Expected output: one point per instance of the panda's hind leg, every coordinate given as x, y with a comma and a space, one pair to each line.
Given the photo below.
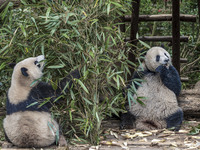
127, 121
7, 144
62, 142
150, 124
175, 120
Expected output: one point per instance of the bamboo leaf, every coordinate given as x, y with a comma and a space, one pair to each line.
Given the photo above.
33, 19
3, 49
56, 66
82, 85
140, 102
2, 65
23, 30
97, 116
33, 83
32, 104
144, 44
87, 101
47, 13
108, 9
116, 4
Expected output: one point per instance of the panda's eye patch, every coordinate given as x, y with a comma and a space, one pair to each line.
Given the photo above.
166, 55
35, 62
38, 65
157, 58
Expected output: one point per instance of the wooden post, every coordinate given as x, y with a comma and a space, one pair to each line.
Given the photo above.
176, 34
134, 30
122, 26
198, 2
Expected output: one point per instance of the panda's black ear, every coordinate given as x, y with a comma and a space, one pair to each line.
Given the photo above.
24, 71
12, 65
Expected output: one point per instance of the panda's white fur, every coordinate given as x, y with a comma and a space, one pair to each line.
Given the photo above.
27, 126
160, 102
21, 85
30, 129
150, 58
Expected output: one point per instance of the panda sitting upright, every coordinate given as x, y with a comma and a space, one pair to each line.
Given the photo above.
27, 124
161, 85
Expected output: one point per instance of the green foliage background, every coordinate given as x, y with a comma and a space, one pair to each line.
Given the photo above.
71, 34
86, 34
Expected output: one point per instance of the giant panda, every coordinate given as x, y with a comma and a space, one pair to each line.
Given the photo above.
160, 87
26, 123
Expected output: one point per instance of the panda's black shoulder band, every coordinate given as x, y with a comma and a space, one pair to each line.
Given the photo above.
27, 105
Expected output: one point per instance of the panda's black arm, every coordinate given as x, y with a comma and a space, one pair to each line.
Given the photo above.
44, 91
170, 78
68, 80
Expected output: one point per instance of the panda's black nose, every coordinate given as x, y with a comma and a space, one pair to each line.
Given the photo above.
166, 60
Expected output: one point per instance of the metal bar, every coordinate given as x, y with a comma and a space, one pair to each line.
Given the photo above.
163, 17
176, 34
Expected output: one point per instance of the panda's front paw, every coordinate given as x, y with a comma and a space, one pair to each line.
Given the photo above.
160, 68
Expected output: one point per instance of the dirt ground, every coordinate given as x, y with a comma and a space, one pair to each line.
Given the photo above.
115, 139
151, 140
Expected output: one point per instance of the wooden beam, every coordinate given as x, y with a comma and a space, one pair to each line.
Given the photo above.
163, 17
183, 60
176, 34
160, 38
184, 79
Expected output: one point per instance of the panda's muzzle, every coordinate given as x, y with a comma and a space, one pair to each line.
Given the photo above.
166, 60
40, 61
167, 63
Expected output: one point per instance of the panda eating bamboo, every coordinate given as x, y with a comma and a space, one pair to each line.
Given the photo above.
161, 86
26, 123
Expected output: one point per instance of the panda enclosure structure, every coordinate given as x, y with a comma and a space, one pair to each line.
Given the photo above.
189, 100
175, 39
